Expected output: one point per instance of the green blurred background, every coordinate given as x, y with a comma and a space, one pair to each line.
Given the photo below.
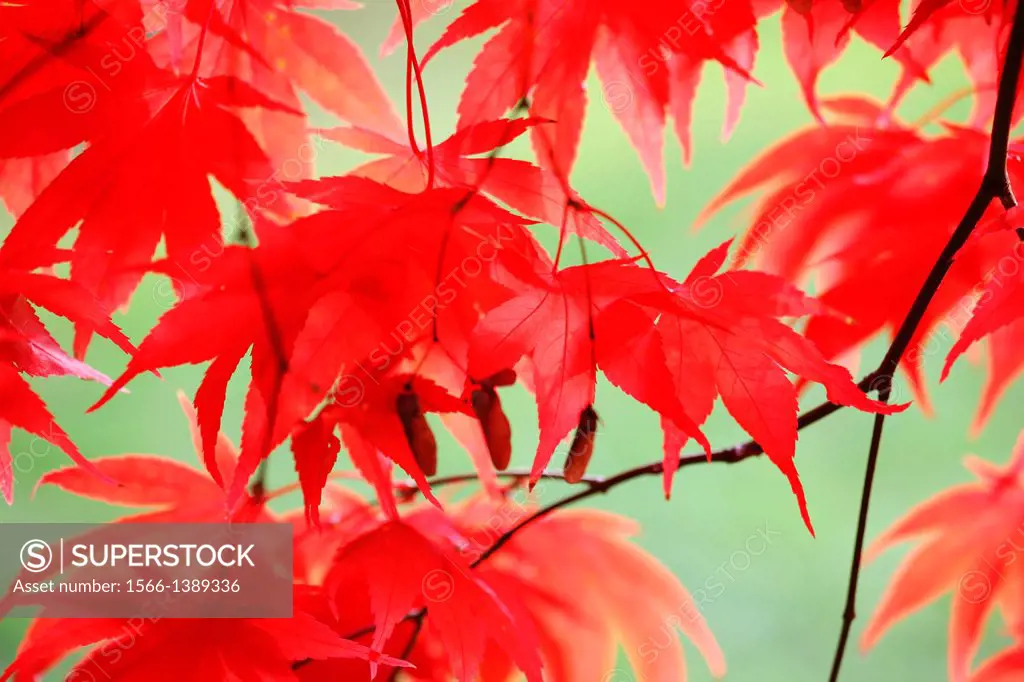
779, 614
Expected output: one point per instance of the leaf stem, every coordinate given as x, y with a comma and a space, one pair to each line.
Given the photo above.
413, 68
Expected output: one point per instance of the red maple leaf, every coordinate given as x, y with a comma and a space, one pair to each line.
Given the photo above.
279, 49
967, 539
567, 324
170, 491
345, 515
247, 306
543, 51
973, 29
650, 61
639, 606
352, 615
1004, 364
21, 180
390, 420
674, 347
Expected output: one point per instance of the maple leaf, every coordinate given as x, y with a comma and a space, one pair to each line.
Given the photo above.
534, 582
195, 135
639, 605
1004, 364
26, 347
832, 199
347, 517
675, 347
418, 13
967, 539
532, 191
175, 492
352, 619
401, 569
224, 649
649, 63
649, 57
747, 366
315, 448
172, 491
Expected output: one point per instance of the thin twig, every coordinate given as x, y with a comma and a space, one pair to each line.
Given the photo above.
601, 486
514, 475
994, 185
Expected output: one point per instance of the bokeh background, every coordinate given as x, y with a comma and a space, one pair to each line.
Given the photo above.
777, 613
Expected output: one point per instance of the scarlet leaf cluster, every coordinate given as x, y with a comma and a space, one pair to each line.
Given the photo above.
416, 290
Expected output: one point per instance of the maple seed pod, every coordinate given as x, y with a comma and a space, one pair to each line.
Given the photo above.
417, 432
497, 430
853, 6
800, 6
582, 448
